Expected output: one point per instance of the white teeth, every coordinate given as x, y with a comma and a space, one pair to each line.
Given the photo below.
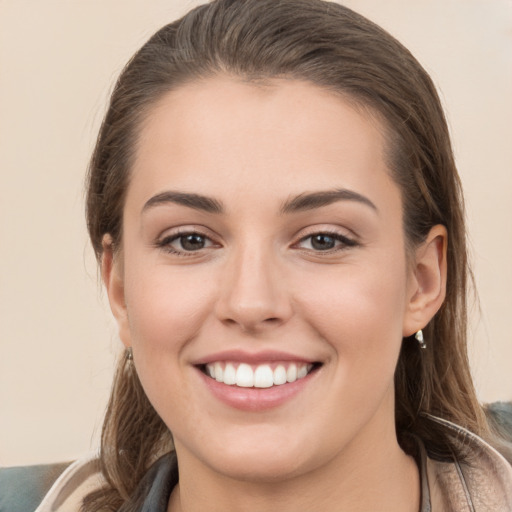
279, 375
302, 371
219, 373
291, 373
244, 376
261, 377
229, 374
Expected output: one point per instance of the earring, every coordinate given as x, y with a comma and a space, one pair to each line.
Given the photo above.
420, 339
129, 354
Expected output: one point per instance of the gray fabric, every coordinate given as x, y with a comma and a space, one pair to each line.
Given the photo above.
499, 415
23, 488
154, 491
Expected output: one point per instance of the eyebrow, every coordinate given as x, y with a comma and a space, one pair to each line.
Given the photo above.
310, 201
195, 201
302, 202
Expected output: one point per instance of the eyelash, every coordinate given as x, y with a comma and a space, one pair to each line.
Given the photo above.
165, 243
344, 242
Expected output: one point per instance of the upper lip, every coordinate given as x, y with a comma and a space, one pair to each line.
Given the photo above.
242, 356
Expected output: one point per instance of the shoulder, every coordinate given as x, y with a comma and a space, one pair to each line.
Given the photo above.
49, 487
482, 481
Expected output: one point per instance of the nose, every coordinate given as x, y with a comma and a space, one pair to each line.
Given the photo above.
253, 294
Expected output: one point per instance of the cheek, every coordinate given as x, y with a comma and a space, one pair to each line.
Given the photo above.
356, 297
166, 310
359, 310
166, 306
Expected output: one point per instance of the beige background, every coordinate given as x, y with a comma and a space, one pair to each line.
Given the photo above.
58, 60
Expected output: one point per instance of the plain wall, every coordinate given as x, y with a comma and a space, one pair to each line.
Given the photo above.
58, 62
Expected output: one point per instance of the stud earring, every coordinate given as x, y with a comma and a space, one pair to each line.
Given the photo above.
420, 339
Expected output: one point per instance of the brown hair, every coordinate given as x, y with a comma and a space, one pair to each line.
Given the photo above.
333, 47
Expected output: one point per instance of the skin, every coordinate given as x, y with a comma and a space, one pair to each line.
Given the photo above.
258, 284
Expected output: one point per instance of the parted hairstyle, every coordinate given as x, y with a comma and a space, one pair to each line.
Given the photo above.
335, 48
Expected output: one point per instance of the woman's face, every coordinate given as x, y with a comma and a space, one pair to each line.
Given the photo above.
263, 245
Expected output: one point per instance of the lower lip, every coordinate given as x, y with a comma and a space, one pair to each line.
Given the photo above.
255, 399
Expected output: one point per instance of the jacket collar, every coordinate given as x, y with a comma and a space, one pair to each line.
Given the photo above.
482, 482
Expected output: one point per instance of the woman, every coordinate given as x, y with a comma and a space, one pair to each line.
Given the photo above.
280, 226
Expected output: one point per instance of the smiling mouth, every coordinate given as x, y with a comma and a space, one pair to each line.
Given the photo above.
257, 376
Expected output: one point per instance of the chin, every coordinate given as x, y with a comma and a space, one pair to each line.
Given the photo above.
268, 459
262, 469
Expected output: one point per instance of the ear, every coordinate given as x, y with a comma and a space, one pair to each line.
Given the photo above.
427, 286
112, 276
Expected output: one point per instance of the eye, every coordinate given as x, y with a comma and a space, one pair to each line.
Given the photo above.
326, 242
182, 243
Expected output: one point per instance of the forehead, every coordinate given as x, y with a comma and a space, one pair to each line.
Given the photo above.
225, 135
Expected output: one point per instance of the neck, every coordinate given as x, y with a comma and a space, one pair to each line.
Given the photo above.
375, 476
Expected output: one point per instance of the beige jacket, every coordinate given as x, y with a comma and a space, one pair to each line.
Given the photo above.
482, 484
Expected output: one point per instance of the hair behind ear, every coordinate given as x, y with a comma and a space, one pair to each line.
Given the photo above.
133, 436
